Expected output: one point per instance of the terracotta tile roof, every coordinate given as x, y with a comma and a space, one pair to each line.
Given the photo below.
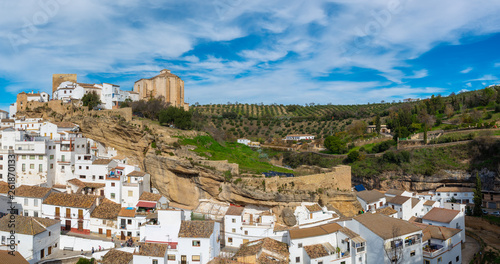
370, 196
32, 191
59, 186
71, 200
82, 184
430, 203
137, 173
125, 212
101, 161
414, 202
386, 211
265, 258
219, 260
64, 124
152, 249
27, 225
454, 189
384, 226
235, 210
201, 229
438, 232
107, 209
8, 120
4, 187
316, 251
115, 256
394, 192
314, 231
399, 200
147, 196
313, 208
348, 232
16, 258
441, 215
256, 247
279, 227
415, 219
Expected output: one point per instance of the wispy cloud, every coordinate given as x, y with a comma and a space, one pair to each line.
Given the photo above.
466, 70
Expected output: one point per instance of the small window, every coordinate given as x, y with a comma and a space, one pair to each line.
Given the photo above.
297, 259
40, 157
32, 157
230, 239
427, 261
155, 261
35, 214
112, 196
129, 221
51, 165
412, 254
440, 260
50, 233
25, 201
101, 177
35, 202
171, 257
196, 243
300, 245
195, 258
32, 166
234, 220
51, 156
458, 258
130, 193
233, 230
112, 184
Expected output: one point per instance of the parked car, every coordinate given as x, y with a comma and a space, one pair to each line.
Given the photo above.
496, 213
485, 212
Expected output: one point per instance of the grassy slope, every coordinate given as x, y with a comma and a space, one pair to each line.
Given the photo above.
248, 159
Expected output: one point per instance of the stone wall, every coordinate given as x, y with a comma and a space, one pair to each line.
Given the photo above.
339, 178
221, 165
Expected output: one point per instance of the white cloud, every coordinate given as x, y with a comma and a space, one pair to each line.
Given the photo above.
466, 70
486, 77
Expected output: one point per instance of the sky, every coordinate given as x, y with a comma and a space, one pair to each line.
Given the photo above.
284, 52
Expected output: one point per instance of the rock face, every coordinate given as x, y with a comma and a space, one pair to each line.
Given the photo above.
288, 217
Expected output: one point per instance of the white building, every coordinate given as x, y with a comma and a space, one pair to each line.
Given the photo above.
244, 141
298, 137
441, 244
164, 228
429, 204
28, 124
7, 123
371, 200
36, 159
104, 218
73, 210
395, 192
30, 199
35, 237
265, 250
311, 214
150, 253
460, 194
388, 237
199, 242
4, 114
328, 243
447, 218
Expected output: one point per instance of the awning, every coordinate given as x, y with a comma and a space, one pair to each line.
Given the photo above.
146, 204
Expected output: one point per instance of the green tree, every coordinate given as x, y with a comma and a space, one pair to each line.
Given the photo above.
91, 100
353, 156
478, 197
335, 144
377, 124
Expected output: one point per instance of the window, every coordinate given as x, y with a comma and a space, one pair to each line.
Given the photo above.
130, 193
129, 221
195, 258
93, 177
440, 260
401, 209
40, 157
320, 262
32, 166
40, 168
24, 156
83, 177
24, 167
412, 254
196, 243
300, 245
458, 258
234, 220
230, 239
246, 232
233, 230
297, 259
35, 202
26, 213
426, 261
112, 196
51, 157
1, 167
51, 165
104, 221
25, 201
32, 157
171, 257
1, 176
112, 184
87, 167
101, 177
50, 233
155, 261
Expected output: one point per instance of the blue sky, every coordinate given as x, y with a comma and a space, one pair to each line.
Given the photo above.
289, 52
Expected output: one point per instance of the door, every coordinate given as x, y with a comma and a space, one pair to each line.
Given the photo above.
108, 233
80, 225
49, 250
68, 212
123, 235
42, 253
68, 225
100, 231
58, 211
183, 259
80, 214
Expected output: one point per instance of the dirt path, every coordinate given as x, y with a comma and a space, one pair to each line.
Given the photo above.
470, 248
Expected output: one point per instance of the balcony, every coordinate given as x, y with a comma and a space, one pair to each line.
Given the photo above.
433, 250
64, 161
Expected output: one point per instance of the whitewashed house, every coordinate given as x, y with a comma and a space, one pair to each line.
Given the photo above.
402, 204
199, 242
30, 199
297, 137
388, 238
244, 141
36, 159
163, 226
447, 218
104, 218
371, 200
154, 253
441, 244
4, 122
73, 210
395, 192
4, 115
460, 194
311, 214
35, 237
429, 204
